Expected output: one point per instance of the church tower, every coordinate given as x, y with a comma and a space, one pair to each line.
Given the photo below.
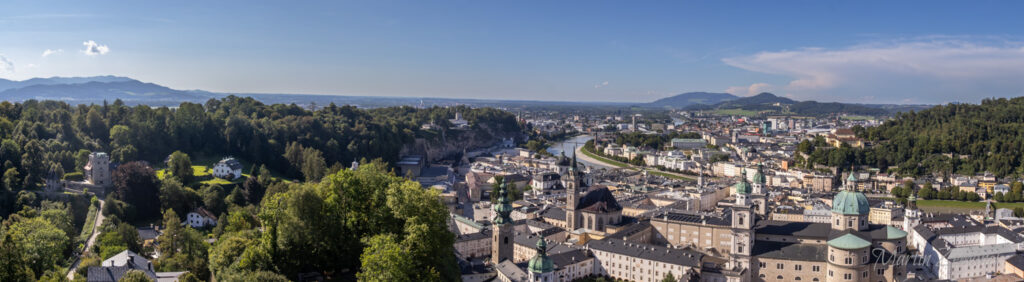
758, 196
541, 267
572, 195
501, 237
742, 225
911, 216
759, 181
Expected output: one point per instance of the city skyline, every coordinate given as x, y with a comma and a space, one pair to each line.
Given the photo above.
568, 51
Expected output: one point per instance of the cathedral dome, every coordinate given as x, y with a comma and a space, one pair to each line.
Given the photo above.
850, 203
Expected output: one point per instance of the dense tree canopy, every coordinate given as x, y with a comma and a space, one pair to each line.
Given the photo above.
953, 138
350, 212
42, 139
136, 184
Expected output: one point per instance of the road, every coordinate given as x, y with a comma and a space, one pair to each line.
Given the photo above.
88, 243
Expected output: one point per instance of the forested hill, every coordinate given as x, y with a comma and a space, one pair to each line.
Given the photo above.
772, 104
957, 138
40, 137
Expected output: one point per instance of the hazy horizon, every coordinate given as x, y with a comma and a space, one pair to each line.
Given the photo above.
903, 53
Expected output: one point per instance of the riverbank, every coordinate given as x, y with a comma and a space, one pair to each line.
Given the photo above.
594, 158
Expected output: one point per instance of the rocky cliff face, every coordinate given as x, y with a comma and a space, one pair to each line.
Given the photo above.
451, 143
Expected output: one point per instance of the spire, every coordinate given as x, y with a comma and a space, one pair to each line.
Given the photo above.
573, 167
502, 209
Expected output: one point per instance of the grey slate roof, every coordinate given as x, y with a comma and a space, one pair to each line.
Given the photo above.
113, 273
796, 229
723, 220
554, 213
566, 258
148, 233
648, 252
1017, 261
598, 200
789, 251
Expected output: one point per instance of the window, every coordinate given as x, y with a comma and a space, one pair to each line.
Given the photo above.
779, 277
799, 267
829, 273
762, 275
797, 278
761, 264
849, 260
849, 223
815, 268
864, 274
847, 276
506, 239
780, 266
864, 259
881, 271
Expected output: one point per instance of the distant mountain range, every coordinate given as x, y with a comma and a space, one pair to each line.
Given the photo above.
81, 91
97, 89
772, 104
692, 98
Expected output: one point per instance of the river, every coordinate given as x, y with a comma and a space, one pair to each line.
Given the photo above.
568, 145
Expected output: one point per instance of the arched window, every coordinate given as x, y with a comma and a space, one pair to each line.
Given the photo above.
779, 277
797, 278
506, 239
815, 280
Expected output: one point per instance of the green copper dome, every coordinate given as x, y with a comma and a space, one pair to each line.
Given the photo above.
759, 175
850, 203
541, 263
849, 242
742, 187
502, 209
892, 233
851, 178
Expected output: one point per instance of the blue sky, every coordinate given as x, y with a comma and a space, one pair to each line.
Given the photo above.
853, 51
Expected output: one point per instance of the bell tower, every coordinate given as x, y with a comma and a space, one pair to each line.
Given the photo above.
742, 225
572, 195
501, 239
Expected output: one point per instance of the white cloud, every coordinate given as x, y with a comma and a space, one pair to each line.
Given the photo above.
49, 52
931, 70
6, 66
753, 89
92, 48
602, 84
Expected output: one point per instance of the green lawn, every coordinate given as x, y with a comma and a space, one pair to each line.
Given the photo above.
958, 206
197, 171
90, 224
736, 112
856, 117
